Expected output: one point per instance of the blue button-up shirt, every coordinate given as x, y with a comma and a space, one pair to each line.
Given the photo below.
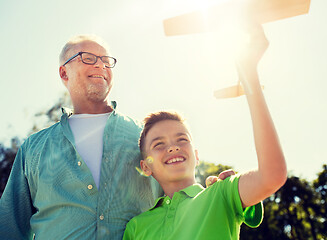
51, 192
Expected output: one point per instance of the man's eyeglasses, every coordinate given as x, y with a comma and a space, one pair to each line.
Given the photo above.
91, 59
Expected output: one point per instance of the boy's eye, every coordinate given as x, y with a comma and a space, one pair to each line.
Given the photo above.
157, 144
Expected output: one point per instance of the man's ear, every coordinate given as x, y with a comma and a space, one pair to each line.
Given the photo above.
197, 162
145, 168
63, 73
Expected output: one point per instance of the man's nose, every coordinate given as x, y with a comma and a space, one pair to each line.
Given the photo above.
99, 63
173, 148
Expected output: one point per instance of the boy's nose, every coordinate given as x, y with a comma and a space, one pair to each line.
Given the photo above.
173, 148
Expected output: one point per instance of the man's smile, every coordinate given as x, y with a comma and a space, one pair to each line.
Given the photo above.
97, 76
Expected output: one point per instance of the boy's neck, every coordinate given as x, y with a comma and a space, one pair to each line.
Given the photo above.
172, 187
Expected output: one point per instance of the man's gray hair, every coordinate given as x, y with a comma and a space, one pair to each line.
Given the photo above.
75, 40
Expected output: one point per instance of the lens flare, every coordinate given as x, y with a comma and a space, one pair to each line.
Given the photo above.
149, 159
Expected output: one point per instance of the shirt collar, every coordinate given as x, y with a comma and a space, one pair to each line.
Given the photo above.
193, 190
67, 112
190, 191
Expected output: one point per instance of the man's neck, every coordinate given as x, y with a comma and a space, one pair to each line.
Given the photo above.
93, 109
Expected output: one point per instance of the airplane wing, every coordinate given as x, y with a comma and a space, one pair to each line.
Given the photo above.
211, 18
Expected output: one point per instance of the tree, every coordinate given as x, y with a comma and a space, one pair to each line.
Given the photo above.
52, 115
7, 157
320, 185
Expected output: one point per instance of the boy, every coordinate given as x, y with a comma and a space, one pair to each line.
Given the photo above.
188, 211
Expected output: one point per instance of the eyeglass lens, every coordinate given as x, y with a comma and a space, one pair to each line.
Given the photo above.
89, 58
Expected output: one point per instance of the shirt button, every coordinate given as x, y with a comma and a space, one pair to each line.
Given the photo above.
90, 186
79, 163
101, 217
167, 201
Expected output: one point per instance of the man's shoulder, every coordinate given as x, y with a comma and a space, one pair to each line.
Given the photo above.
46, 130
128, 121
43, 133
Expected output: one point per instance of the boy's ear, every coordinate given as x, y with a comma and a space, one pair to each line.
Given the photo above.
197, 162
145, 168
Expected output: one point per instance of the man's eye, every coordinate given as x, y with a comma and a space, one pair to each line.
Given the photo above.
106, 60
182, 140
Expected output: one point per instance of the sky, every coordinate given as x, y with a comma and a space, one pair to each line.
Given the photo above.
156, 72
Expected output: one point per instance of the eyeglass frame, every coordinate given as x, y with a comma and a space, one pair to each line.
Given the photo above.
96, 60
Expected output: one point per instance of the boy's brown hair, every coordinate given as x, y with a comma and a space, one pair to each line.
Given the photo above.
154, 118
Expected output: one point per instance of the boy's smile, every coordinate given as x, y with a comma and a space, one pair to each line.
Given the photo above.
175, 160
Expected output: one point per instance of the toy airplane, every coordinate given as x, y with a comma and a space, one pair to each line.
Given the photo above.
212, 18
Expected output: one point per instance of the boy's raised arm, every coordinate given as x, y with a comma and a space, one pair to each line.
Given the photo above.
271, 174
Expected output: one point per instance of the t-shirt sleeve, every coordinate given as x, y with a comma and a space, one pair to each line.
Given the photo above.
252, 216
129, 231
16, 206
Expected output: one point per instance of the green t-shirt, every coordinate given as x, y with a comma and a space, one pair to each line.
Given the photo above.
196, 213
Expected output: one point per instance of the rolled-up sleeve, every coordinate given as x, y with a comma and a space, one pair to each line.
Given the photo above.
16, 206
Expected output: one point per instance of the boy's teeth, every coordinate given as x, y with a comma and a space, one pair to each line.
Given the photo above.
175, 160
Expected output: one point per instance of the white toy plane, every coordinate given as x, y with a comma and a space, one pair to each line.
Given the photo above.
213, 17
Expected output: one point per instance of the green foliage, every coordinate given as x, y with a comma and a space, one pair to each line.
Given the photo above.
320, 186
7, 157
